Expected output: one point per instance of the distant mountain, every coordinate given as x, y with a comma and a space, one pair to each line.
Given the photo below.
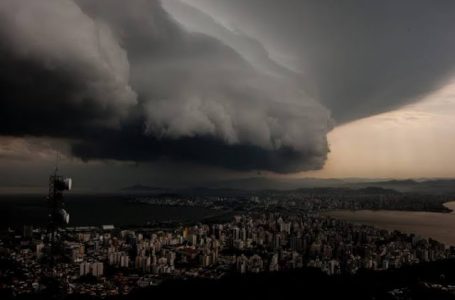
268, 183
424, 186
430, 186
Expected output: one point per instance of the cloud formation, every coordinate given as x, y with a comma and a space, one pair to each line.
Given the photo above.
125, 81
61, 75
360, 57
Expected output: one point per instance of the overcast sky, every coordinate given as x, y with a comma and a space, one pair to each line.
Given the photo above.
179, 92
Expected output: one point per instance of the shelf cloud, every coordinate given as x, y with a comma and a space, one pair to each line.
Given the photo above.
242, 85
126, 81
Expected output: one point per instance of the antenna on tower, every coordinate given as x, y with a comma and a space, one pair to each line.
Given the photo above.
57, 160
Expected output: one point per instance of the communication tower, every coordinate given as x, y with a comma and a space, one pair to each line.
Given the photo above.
58, 216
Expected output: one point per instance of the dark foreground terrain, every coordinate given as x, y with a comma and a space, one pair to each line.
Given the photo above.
424, 281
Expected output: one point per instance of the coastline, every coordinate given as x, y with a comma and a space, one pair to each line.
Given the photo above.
428, 224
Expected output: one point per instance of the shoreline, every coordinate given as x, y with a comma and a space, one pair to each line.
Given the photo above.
447, 209
435, 225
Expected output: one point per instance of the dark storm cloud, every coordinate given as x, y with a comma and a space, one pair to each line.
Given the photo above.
251, 49
124, 81
362, 57
40, 101
59, 76
201, 149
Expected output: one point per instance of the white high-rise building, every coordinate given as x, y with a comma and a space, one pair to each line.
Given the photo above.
84, 268
97, 269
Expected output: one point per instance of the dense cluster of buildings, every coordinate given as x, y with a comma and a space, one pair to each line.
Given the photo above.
108, 261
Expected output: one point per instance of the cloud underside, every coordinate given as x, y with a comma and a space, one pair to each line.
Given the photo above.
126, 82
359, 58
129, 81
